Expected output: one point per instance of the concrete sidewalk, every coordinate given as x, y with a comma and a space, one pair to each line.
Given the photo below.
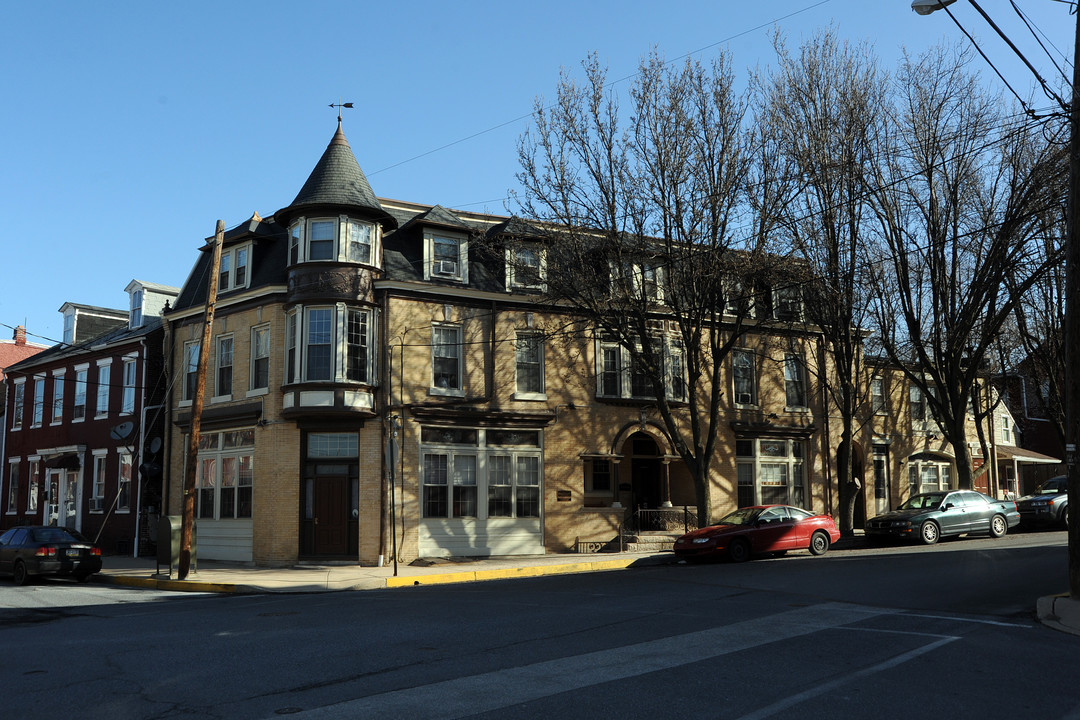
220, 577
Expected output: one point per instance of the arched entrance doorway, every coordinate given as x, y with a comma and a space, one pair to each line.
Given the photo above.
646, 472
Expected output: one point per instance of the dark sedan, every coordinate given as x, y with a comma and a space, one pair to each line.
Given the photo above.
931, 516
27, 552
1048, 505
764, 529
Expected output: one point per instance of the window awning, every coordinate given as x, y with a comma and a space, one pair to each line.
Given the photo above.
1025, 456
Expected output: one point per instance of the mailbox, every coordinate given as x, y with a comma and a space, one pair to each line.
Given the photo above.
168, 544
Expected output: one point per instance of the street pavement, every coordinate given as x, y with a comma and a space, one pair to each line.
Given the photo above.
1059, 612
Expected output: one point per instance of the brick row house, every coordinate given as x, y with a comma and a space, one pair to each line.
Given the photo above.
82, 416
376, 385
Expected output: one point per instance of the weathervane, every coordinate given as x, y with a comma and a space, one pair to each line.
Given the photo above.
339, 106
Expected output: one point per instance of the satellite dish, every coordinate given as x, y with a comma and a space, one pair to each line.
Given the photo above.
122, 431
155, 445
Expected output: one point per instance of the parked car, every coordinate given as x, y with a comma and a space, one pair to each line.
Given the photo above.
1048, 505
931, 516
761, 529
27, 552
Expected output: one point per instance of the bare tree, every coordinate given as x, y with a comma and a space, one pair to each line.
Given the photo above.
643, 236
825, 108
958, 203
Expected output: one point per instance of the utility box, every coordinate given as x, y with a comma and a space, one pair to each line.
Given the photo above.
168, 544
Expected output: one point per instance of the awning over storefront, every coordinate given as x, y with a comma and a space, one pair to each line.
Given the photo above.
1024, 456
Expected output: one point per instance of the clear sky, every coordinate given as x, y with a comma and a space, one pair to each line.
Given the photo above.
127, 129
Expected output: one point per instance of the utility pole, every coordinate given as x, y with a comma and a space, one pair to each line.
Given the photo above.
1072, 326
187, 519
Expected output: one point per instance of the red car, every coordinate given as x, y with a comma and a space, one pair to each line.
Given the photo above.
756, 530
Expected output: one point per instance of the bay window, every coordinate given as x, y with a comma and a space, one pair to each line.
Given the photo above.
622, 374
330, 343
770, 470
333, 239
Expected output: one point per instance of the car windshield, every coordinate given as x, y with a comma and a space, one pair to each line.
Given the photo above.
1053, 486
922, 502
742, 516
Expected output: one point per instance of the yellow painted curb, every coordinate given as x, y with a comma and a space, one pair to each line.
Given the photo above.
175, 585
508, 573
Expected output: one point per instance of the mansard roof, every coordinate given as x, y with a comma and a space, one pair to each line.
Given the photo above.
337, 182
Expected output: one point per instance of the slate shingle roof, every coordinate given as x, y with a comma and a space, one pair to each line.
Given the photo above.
337, 180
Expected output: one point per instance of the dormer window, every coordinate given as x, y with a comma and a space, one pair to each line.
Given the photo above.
446, 256
136, 308
233, 272
340, 239
69, 327
525, 267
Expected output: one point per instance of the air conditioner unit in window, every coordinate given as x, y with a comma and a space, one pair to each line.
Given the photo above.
744, 398
445, 267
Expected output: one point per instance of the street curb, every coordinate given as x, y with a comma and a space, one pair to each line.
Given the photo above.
523, 572
1047, 612
174, 585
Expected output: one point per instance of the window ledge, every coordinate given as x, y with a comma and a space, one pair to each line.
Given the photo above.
220, 398
184, 403
798, 409
531, 397
258, 392
446, 392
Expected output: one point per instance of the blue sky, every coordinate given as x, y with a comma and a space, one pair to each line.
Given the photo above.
128, 129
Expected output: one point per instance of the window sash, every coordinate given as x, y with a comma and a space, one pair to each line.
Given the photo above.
78, 411
529, 364
260, 358
359, 241
104, 371
446, 358
127, 404
39, 400
223, 386
794, 381
17, 411
318, 344
58, 399
743, 374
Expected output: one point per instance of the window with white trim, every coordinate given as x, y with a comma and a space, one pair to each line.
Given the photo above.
32, 487
744, 377
19, 391
922, 419
738, 299
794, 381
191, 369
57, 398
1006, 430
333, 239
622, 375
223, 379
928, 473
600, 479
225, 474
13, 487
770, 470
446, 360
101, 407
480, 474
529, 366
136, 308
446, 257
260, 358
332, 343
877, 396
39, 400
788, 303
97, 492
526, 267
639, 281
78, 407
123, 484
127, 399
233, 272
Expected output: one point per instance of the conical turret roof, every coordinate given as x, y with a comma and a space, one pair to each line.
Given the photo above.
337, 181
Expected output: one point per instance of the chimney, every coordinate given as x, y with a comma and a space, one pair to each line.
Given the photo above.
20, 335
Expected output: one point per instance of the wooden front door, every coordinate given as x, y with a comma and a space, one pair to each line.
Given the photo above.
331, 509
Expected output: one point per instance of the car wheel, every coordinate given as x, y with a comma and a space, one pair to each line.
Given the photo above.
929, 533
819, 543
998, 526
739, 550
1065, 517
20, 576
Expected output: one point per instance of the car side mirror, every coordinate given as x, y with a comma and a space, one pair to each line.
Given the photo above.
948, 506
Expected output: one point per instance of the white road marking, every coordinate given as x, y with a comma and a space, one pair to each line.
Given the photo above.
488, 691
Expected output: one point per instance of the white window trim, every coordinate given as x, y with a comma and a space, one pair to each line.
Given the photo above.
340, 251
80, 368
298, 316
186, 401
884, 409
531, 396
799, 311
32, 483
133, 471
431, 272
12, 508
254, 391
98, 412
137, 310
800, 363
458, 391
58, 382
18, 391
218, 397
626, 385
754, 379
734, 290
133, 360
39, 387
797, 468
103, 456
637, 280
512, 282
229, 256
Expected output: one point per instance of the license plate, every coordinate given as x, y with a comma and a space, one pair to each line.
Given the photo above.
73, 552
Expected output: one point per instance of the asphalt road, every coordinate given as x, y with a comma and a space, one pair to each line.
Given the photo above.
904, 632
